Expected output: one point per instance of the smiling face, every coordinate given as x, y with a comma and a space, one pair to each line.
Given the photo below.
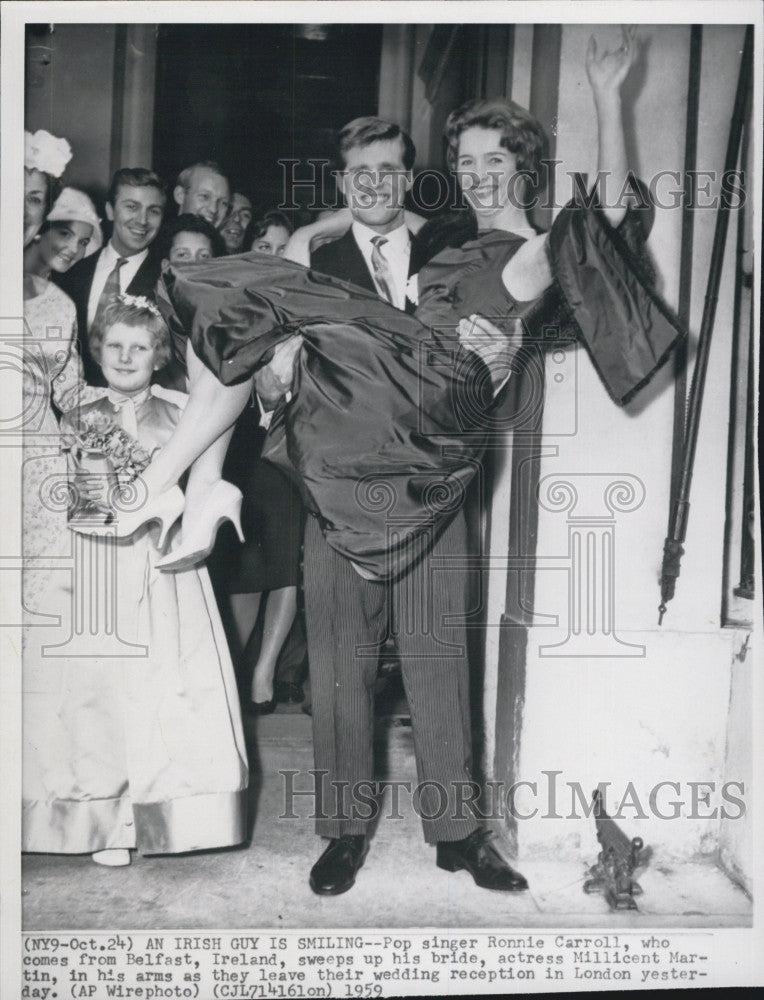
487, 174
189, 248
374, 183
207, 194
63, 244
235, 226
273, 241
35, 200
137, 215
128, 358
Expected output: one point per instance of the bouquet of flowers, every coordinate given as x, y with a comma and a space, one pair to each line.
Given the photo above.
105, 458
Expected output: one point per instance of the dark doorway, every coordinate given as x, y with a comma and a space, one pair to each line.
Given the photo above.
247, 95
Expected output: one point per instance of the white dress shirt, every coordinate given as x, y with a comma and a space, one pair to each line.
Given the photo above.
104, 266
396, 251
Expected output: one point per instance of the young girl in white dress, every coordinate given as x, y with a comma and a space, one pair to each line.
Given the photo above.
137, 743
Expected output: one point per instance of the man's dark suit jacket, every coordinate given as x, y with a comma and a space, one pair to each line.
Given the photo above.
343, 259
77, 282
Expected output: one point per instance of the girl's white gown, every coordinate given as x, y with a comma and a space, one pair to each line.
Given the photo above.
131, 727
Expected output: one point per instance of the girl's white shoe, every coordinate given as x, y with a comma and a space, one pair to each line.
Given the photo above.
114, 857
223, 503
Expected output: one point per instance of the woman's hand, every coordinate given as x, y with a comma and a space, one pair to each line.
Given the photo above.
274, 380
330, 226
608, 70
496, 348
414, 222
606, 73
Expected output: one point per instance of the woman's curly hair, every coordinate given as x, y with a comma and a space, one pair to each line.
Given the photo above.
521, 133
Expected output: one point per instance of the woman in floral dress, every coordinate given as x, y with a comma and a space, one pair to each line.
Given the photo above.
52, 382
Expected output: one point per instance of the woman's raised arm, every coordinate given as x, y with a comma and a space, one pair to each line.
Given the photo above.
528, 273
606, 72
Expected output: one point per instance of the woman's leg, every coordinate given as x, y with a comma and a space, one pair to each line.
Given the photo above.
280, 610
207, 468
244, 611
202, 435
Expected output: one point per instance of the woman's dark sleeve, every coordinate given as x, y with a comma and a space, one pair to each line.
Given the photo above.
626, 328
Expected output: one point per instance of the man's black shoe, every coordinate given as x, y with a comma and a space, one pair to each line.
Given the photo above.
335, 870
477, 855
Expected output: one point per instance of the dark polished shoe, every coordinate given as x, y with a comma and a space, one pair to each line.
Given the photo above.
335, 870
477, 855
288, 693
260, 707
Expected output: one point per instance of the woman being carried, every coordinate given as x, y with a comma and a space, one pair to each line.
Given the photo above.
380, 396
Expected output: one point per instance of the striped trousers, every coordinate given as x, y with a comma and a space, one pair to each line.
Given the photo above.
347, 618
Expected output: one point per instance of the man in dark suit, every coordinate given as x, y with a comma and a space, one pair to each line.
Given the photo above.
347, 615
375, 160
135, 206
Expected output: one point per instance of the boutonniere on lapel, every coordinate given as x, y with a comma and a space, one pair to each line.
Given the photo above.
412, 289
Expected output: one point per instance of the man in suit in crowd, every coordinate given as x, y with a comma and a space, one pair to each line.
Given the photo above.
135, 206
203, 189
347, 615
369, 148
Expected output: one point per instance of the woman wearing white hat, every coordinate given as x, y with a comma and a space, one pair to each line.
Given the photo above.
45, 159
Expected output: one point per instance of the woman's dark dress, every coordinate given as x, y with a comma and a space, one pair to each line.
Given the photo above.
271, 517
390, 415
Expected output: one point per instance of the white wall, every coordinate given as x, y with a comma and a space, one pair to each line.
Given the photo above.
736, 837
654, 707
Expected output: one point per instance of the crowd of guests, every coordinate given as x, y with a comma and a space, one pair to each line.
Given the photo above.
118, 756
211, 222
100, 298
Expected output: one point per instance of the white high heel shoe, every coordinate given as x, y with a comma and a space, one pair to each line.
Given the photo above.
223, 503
113, 857
164, 507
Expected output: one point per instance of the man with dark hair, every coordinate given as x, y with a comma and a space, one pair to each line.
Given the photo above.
189, 239
361, 132
374, 162
236, 226
135, 206
203, 189
347, 615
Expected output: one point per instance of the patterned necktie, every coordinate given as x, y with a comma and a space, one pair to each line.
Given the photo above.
112, 287
382, 274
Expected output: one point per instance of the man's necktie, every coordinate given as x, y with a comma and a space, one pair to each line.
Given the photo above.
382, 274
112, 287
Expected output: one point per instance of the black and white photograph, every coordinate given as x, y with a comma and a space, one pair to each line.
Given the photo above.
381, 596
